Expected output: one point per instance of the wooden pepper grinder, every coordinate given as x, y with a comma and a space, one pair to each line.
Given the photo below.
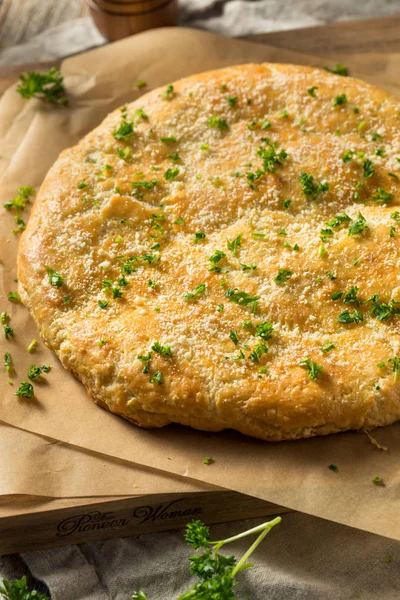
116, 19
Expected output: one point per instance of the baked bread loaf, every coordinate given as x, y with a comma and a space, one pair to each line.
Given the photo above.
224, 253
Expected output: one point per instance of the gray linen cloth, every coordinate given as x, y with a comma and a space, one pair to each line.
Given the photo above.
303, 558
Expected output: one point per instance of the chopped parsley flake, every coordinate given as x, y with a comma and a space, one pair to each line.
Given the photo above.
286, 204
381, 197
347, 156
13, 297
234, 244
219, 123
220, 308
198, 236
232, 100
340, 100
348, 317
313, 369
351, 296
170, 174
338, 220
378, 480
162, 350
35, 371
358, 226
271, 159
168, 139
55, 279
179, 221
327, 347
169, 90
392, 231
174, 156
141, 83
258, 351
311, 91
156, 378
140, 113
242, 298
310, 188
233, 336
283, 276
217, 256
338, 69
25, 390
368, 168
333, 468
32, 346
198, 290
396, 366
264, 330
248, 267
103, 303
124, 131
208, 460
8, 362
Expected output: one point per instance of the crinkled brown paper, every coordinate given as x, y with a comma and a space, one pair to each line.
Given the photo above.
292, 474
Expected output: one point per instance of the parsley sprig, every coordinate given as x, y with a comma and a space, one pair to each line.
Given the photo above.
216, 572
45, 86
310, 188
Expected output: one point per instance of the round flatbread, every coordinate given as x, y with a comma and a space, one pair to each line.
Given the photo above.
224, 253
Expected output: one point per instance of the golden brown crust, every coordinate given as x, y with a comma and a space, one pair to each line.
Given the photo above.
227, 187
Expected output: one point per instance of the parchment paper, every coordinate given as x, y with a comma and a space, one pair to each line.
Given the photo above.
293, 474
36, 466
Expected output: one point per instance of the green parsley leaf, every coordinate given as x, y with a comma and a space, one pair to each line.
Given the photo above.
116, 292
271, 159
358, 226
395, 216
168, 139
392, 231
162, 350
140, 113
141, 83
174, 156
103, 303
376, 136
264, 330
327, 347
232, 100
220, 308
396, 366
286, 204
55, 279
340, 100
198, 290
378, 480
311, 91
333, 468
124, 131
338, 220
8, 362
283, 276
347, 156
336, 295
208, 460
45, 86
258, 351
198, 236
233, 336
313, 369
179, 221
310, 188
168, 93
351, 296
32, 346
381, 197
14, 297
266, 124
368, 168
242, 298
219, 123
170, 174
348, 317
248, 267
25, 390
284, 114
338, 69
234, 244
156, 378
